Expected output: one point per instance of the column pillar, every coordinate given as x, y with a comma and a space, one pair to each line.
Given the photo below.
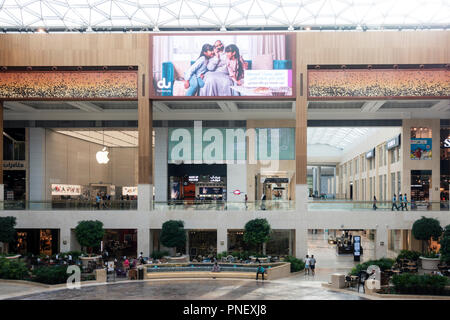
314, 170
319, 187
381, 242
2, 187
143, 241
301, 188
222, 240
187, 243
65, 240
145, 129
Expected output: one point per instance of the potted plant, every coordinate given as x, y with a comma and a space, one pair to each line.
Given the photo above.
173, 236
257, 232
426, 229
89, 233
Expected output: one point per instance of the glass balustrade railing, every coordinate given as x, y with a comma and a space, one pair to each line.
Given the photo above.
344, 205
269, 205
68, 205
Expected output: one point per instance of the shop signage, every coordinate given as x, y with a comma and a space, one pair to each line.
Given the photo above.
237, 192
447, 143
356, 245
66, 190
14, 165
394, 142
370, 154
214, 179
193, 178
276, 180
130, 191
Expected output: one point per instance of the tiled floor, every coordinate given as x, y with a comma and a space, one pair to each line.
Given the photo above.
207, 289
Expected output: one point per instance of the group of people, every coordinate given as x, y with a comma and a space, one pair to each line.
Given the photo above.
215, 71
310, 265
402, 200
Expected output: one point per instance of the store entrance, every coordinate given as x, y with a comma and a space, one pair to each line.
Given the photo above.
202, 243
37, 241
201, 182
420, 188
14, 181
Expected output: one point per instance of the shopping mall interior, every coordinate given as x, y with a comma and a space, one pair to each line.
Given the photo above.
315, 131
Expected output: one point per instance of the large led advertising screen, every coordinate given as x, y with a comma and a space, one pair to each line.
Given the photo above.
203, 66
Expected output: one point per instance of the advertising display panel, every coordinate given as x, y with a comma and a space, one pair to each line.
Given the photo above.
223, 65
66, 190
130, 191
421, 148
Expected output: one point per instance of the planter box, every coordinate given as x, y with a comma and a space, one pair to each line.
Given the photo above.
85, 260
430, 263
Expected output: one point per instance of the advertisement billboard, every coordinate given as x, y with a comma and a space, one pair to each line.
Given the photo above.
421, 148
66, 190
223, 65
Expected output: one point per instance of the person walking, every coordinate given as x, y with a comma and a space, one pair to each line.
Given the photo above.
263, 202
405, 201
97, 201
307, 260
374, 203
246, 200
394, 203
261, 271
312, 265
400, 201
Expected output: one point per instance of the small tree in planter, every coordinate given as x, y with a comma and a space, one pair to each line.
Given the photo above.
426, 229
173, 235
89, 234
257, 232
445, 245
7, 231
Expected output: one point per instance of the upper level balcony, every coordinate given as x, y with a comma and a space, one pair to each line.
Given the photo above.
194, 205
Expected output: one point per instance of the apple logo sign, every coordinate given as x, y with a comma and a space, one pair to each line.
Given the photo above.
102, 156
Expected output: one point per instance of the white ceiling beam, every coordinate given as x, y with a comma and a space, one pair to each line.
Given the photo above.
372, 106
443, 105
293, 106
161, 106
85, 106
223, 105
20, 107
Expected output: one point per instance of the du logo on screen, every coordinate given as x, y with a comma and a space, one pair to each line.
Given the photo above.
162, 84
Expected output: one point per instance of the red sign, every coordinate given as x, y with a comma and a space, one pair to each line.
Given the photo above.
237, 192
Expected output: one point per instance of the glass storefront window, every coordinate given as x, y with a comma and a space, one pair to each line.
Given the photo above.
445, 166
420, 185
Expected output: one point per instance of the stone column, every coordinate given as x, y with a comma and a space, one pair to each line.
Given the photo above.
143, 241
161, 179
319, 187
381, 242
145, 128
37, 166
65, 235
222, 240
187, 243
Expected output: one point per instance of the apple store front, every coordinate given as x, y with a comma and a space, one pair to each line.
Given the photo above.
80, 164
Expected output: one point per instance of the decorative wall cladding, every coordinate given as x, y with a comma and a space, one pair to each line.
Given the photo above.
378, 84
48, 85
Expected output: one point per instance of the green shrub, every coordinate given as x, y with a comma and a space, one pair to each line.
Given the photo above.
51, 274
14, 269
159, 254
420, 284
408, 254
222, 255
296, 264
445, 245
384, 264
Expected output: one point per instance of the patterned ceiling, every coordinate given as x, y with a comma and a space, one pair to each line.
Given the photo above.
102, 15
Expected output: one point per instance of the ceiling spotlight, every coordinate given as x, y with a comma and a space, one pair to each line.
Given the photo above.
79, 68
308, 28
421, 66
343, 67
317, 67
291, 28
369, 67
223, 29
89, 29
29, 68
155, 29
395, 66
54, 68
4, 68
105, 68
40, 30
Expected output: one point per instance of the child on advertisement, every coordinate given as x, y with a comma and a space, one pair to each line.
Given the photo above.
193, 77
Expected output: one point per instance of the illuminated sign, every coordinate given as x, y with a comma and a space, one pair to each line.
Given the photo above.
214, 179
193, 178
370, 154
394, 142
130, 191
65, 190
447, 143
